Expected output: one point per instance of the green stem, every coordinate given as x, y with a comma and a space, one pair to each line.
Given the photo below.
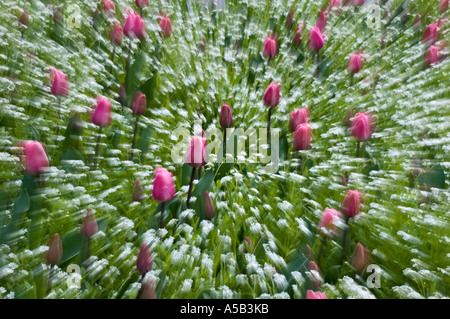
161, 221
97, 147
133, 143
344, 239
269, 117
358, 147
322, 246
224, 144
190, 188
50, 279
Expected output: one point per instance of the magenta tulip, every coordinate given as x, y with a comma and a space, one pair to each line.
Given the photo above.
354, 63
350, 203
270, 46
135, 27
144, 261
196, 152
90, 227
322, 21
208, 205
298, 117
429, 36
361, 127
102, 114
163, 185
36, 160
334, 4
316, 295
226, 117
109, 8
297, 40
140, 104
443, 6
166, 26
360, 258
417, 22
272, 95
149, 291
431, 56
327, 223
141, 3
55, 250
316, 41
60, 85
302, 137
117, 35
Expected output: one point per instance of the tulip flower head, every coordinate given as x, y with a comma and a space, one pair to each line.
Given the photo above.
316, 41
354, 63
135, 27
429, 36
55, 250
138, 191
90, 227
270, 46
315, 295
166, 26
149, 291
24, 18
272, 95
356, 2
302, 137
141, 3
431, 56
361, 126
226, 117
196, 152
298, 117
102, 114
360, 258
208, 205
350, 203
36, 160
322, 21
109, 8
297, 40
144, 261
140, 103
289, 20
163, 185
60, 85
443, 6
117, 35
328, 221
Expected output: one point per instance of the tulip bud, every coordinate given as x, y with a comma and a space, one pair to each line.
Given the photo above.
327, 224
322, 21
350, 203
36, 160
417, 23
360, 258
226, 118
315, 277
166, 27
297, 40
138, 191
315, 295
354, 63
196, 152
141, 3
289, 20
90, 227
248, 245
109, 8
429, 36
55, 250
117, 35
443, 6
270, 46
298, 117
302, 137
24, 18
149, 291
135, 27
361, 127
316, 41
144, 261
313, 266
122, 99
209, 206
163, 185
431, 56
60, 85
140, 103
272, 95
307, 251
102, 114
58, 16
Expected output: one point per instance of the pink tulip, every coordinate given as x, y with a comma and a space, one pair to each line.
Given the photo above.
356, 2
443, 6
117, 35
315, 295
102, 113
361, 127
60, 85
354, 63
141, 3
55, 250
334, 3
144, 261
166, 26
327, 223
360, 258
209, 206
36, 160
298, 117
138, 191
417, 23
270, 46
163, 185
302, 137
313, 266
429, 36
322, 21
109, 8
316, 41
149, 291
135, 27
431, 56
196, 152
350, 203
297, 40
90, 227
140, 104
226, 118
272, 95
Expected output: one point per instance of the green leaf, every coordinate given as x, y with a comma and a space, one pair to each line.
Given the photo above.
435, 177
135, 75
148, 88
284, 147
22, 203
144, 139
